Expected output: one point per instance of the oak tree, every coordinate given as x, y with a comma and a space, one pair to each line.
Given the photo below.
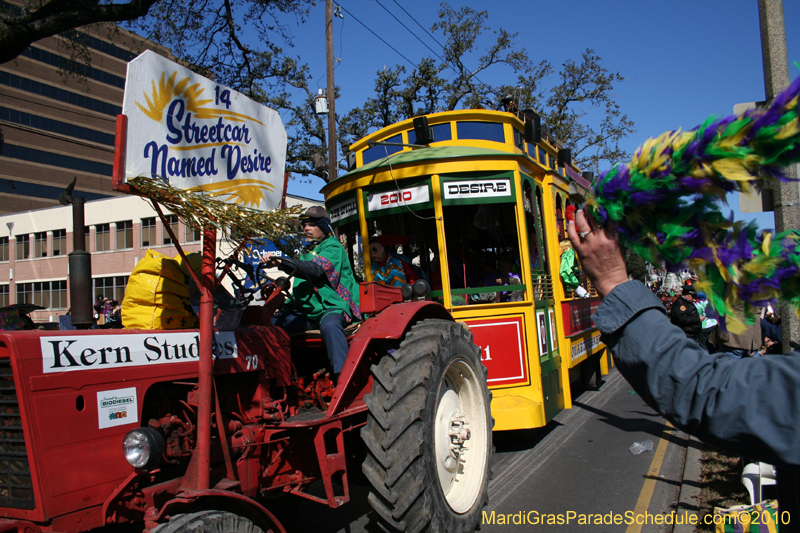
450, 83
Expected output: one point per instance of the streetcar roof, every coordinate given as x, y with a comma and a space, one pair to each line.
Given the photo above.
424, 154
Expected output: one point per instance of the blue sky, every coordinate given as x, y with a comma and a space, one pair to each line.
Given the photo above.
682, 60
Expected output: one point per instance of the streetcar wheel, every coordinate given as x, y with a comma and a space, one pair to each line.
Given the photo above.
210, 522
429, 431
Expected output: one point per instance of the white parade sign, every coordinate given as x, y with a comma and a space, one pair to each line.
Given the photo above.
201, 136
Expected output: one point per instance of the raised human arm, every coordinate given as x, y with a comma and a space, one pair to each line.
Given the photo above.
749, 406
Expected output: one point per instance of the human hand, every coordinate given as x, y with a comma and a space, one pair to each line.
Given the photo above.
269, 259
599, 252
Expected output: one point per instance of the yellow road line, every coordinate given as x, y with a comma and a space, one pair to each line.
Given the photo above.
652, 477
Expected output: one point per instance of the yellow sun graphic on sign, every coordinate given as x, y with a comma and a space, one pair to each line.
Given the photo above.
246, 192
167, 89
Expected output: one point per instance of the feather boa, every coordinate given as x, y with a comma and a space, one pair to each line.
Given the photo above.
664, 204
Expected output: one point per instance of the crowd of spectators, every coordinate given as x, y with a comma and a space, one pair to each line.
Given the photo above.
690, 310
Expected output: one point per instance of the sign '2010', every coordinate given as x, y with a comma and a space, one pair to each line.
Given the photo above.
396, 197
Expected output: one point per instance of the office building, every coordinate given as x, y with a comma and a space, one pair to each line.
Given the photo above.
57, 127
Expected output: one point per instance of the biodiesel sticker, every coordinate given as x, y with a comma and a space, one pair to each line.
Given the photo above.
117, 407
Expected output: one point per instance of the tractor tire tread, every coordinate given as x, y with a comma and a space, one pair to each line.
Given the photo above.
395, 432
212, 521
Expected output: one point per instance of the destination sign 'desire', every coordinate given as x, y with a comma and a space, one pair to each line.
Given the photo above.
478, 188
201, 136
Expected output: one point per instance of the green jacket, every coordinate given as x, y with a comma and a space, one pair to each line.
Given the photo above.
569, 270
338, 291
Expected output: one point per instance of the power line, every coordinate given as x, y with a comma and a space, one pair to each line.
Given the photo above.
418, 24
411, 63
411, 32
429, 33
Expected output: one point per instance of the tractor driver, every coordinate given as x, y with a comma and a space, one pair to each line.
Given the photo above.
324, 290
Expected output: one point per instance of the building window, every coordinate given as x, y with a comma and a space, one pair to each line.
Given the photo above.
172, 220
49, 294
102, 238
24, 293
4, 249
40, 244
59, 242
57, 61
3, 295
192, 234
23, 246
55, 93
124, 234
148, 231
112, 288
86, 238
64, 128
58, 160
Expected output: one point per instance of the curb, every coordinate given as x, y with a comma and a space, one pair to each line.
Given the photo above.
690, 485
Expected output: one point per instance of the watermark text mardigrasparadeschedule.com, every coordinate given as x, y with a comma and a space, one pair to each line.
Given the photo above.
628, 518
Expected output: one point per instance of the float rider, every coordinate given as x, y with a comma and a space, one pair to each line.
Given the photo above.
324, 290
388, 268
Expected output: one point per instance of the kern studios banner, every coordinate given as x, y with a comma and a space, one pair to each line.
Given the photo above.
201, 136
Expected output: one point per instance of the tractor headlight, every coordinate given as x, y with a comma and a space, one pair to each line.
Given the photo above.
143, 447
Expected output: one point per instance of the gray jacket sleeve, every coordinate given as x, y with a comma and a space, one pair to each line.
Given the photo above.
750, 406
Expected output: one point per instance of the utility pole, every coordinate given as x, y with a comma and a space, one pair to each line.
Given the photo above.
787, 195
332, 159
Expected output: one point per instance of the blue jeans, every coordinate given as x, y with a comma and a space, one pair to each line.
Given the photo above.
736, 353
331, 328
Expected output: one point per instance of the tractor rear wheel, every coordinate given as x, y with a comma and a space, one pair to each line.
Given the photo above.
429, 431
210, 522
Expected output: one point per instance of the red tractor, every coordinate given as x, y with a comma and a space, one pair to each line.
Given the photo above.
134, 430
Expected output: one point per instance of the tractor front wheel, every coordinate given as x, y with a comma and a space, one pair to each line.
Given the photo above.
429, 431
211, 522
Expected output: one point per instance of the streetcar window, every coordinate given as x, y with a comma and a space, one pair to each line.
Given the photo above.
482, 254
519, 140
490, 131
376, 152
542, 288
441, 132
530, 223
350, 236
532, 148
408, 236
542, 231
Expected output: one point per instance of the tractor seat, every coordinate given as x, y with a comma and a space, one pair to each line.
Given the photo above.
314, 334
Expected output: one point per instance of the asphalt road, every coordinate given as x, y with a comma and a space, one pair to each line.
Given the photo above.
576, 470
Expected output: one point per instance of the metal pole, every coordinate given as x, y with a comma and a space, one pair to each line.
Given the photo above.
332, 159
80, 270
205, 384
787, 195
